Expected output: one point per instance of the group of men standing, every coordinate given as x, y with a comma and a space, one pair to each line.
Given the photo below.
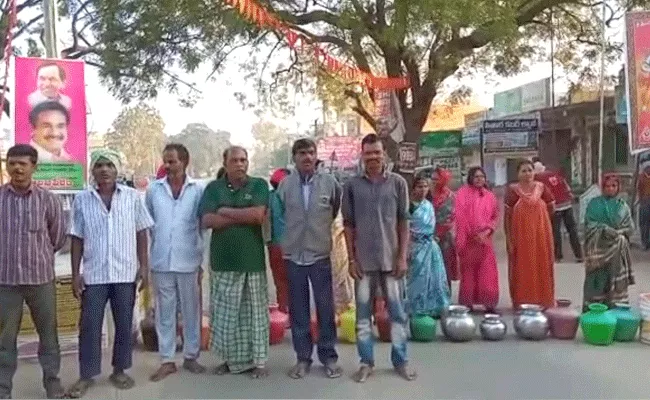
110, 228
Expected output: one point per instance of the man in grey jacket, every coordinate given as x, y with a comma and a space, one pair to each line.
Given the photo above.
310, 202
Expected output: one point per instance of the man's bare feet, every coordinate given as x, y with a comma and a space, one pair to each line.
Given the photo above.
364, 372
163, 372
259, 373
222, 369
300, 370
193, 366
406, 373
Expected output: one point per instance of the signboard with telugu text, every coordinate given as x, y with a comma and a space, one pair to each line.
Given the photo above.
342, 152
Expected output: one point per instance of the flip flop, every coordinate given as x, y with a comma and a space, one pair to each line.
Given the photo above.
54, 390
259, 373
193, 366
79, 389
121, 381
221, 369
362, 374
333, 370
300, 370
406, 373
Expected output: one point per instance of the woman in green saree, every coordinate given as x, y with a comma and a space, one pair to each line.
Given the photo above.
608, 226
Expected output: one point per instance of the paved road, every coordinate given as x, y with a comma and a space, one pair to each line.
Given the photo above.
511, 369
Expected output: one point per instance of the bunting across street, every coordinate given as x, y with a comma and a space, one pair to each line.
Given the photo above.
257, 14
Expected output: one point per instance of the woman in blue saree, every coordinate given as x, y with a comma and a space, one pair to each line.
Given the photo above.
427, 289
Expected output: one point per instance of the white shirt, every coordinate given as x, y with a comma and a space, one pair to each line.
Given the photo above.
35, 98
110, 246
45, 156
176, 238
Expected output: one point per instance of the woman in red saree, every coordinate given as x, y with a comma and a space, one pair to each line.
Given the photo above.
529, 239
477, 213
443, 203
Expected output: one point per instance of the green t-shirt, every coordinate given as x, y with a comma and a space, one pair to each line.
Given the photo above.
238, 247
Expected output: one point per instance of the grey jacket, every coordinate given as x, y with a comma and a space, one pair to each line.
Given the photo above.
308, 237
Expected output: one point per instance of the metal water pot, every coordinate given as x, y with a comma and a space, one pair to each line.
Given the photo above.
458, 325
493, 328
531, 323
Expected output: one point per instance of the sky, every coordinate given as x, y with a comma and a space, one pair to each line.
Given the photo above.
220, 111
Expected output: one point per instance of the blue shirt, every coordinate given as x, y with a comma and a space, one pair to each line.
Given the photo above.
176, 239
109, 237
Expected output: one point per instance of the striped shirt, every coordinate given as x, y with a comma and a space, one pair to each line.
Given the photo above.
176, 239
33, 229
109, 237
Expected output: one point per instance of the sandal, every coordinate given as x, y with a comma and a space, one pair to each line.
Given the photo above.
364, 372
79, 389
407, 373
193, 366
221, 369
121, 381
300, 370
54, 390
259, 373
333, 370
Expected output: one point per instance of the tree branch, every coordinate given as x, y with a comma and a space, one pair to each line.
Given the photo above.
27, 25
360, 109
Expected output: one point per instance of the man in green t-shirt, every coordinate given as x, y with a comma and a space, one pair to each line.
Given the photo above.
234, 207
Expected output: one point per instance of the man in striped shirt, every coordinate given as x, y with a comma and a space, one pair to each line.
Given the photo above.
109, 231
33, 230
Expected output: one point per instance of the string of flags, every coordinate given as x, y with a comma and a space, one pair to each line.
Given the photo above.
257, 14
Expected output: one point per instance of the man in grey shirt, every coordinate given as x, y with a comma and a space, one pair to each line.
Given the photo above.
375, 215
310, 201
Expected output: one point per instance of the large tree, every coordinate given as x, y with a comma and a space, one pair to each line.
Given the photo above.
271, 148
205, 146
143, 46
138, 133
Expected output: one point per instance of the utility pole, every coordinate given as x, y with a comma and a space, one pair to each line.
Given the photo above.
49, 26
601, 130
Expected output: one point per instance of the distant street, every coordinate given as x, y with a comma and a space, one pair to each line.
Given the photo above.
512, 369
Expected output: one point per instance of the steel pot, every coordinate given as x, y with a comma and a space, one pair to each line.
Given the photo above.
493, 328
531, 323
458, 325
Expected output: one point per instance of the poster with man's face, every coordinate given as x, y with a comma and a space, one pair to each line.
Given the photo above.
50, 115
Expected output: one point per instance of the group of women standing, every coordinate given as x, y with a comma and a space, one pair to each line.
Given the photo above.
451, 239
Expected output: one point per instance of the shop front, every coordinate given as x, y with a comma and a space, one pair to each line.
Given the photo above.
505, 143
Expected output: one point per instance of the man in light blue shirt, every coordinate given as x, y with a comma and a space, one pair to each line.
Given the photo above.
176, 256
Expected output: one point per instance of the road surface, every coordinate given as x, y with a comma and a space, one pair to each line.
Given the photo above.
512, 369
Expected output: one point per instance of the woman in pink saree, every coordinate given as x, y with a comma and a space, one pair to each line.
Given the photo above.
476, 214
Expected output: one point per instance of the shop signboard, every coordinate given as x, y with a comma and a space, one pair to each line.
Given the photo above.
510, 136
407, 157
529, 97
342, 152
441, 149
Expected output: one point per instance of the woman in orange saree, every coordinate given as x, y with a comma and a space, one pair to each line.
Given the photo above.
529, 239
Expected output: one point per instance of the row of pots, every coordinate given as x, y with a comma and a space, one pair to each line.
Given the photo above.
599, 325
